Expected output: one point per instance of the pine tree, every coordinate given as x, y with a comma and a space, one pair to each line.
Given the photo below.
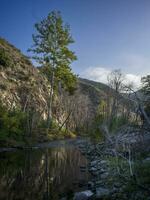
50, 49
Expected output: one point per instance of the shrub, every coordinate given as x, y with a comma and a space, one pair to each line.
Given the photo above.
3, 86
117, 122
5, 60
26, 60
95, 132
12, 124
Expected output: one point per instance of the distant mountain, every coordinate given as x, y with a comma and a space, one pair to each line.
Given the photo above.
97, 85
96, 91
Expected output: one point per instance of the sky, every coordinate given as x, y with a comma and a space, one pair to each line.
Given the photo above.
108, 34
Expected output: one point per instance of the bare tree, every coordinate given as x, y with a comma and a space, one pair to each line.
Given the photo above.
139, 102
115, 82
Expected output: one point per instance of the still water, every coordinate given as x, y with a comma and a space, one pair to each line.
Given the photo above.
42, 174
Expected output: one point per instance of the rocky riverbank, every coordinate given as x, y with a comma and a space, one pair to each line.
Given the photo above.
119, 166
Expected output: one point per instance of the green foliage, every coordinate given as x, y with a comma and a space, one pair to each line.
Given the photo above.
101, 112
12, 124
67, 79
50, 49
95, 131
138, 187
143, 173
117, 122
63, 75
96, 135
27, 60
51, 41
3, 86
2, 41
5, 60
135, 187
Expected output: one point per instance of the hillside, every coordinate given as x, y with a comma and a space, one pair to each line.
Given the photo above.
100, 87
17, 73
20, 82
22, 85
95, 91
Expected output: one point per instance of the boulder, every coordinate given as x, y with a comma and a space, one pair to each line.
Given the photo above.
84, 195
102, 192
103, 162
94, 163
92, 169
104, 175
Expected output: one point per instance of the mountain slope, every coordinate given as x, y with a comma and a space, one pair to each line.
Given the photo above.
94, 90
23, 86
20, 82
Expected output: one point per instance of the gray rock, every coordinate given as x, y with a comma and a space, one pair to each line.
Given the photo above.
84, 195
95, 173
102, 170
92, 169
117, 185
82, 146
101, 192
94, 163
103, 162
98, 183
88, 152
104, 175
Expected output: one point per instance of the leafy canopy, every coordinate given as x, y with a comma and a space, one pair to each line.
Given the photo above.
5, 59
12, 122
51, 50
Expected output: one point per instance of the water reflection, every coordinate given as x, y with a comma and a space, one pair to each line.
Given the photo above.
41, 174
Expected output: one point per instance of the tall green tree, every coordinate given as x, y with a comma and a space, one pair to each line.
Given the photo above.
51, 49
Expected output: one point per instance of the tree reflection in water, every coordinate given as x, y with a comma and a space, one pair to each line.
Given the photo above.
41, 174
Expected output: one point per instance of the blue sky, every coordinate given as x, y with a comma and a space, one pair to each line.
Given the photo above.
108, 34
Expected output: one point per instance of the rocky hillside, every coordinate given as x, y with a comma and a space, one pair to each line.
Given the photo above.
20, 82
21, 85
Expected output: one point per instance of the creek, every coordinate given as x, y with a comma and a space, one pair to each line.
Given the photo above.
48, 171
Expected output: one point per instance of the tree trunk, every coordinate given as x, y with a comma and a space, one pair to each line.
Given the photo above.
49, 117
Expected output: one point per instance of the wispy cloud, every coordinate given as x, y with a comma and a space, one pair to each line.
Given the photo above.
100, 74
134, 63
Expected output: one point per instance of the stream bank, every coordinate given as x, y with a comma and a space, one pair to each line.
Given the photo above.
120, 166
